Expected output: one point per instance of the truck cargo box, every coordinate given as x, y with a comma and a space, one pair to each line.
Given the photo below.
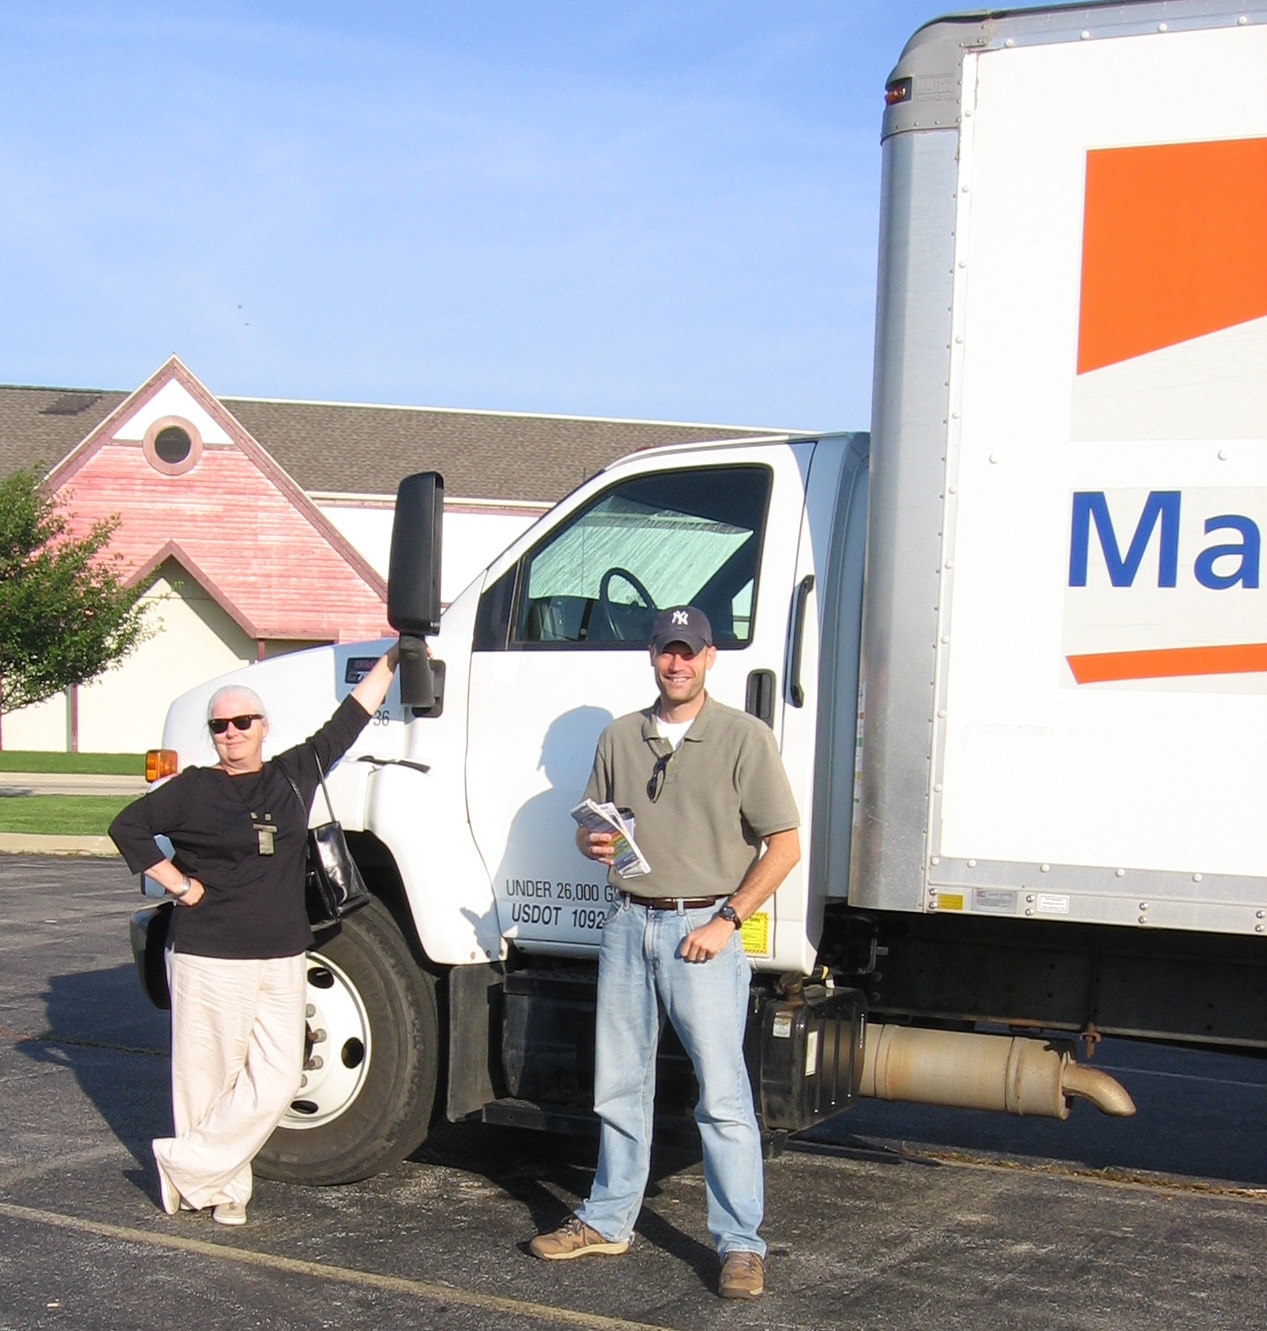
1065, 631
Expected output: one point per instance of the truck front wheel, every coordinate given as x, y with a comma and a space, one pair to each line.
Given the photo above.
372, 1058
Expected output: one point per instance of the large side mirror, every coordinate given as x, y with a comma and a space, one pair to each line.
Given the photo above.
413, 581
413, 575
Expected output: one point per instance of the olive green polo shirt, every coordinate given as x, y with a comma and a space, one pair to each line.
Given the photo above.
723, 791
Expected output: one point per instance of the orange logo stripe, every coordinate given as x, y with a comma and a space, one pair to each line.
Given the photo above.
1169, 662
1174, 246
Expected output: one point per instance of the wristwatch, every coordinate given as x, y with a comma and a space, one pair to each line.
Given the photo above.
185, 885
728, 912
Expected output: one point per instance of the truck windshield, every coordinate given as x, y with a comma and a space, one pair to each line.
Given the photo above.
672, 538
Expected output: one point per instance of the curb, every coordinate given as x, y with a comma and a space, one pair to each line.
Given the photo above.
36, 843
72, 783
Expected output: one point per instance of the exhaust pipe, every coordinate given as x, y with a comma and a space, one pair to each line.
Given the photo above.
972, 1071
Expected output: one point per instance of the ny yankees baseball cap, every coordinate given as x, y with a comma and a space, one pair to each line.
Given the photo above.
681, 623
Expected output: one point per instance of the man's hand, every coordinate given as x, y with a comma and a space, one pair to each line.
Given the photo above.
596, 846
704, 943
782, 850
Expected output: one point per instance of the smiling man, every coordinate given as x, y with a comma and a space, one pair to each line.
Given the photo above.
709, 792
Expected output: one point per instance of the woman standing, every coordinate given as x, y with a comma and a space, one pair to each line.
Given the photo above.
235, 959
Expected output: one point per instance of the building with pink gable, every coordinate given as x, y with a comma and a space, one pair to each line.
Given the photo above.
260, 527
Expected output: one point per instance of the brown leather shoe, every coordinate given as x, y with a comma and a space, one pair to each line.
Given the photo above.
574, 1238
742, 1276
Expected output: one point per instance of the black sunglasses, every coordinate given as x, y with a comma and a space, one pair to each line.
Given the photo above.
220, 724
656, 784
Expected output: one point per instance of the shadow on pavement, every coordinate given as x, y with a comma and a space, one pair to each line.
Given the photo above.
535, 1168
103, 1030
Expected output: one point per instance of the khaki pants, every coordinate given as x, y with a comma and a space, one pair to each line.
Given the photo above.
237, 1057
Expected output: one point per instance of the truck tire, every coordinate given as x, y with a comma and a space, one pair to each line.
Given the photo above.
372, 1058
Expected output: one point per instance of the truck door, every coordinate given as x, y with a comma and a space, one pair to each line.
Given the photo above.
560, 649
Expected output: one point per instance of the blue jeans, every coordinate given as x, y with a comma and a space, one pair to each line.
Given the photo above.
640, 975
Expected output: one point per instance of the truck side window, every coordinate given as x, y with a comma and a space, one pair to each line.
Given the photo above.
669, 538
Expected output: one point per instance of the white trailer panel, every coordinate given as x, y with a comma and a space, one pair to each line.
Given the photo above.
1037, 768
1098, 727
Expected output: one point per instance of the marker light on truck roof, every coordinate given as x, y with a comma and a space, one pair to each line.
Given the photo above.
160, 763
899, 90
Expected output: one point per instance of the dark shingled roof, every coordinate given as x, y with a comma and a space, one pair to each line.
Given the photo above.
343, 448
33, 436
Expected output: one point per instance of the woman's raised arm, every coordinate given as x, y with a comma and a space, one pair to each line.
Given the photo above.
371, 691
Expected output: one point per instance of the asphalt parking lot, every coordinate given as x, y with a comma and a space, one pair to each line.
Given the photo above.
890, 1216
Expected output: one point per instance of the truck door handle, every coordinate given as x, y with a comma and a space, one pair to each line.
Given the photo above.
759, 700
796, 691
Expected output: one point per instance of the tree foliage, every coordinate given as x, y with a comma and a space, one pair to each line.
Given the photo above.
65, 611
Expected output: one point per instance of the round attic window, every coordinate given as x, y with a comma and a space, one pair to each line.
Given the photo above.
172, 445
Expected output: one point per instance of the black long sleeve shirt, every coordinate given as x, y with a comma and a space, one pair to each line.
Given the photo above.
254, 904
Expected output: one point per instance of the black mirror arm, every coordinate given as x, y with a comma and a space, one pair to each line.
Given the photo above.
417, 685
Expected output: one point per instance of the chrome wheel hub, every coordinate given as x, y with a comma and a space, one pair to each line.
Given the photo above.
337, 1047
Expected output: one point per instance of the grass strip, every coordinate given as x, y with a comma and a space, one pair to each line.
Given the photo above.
96, 764
60, 815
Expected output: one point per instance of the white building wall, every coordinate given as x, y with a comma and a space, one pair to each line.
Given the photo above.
123, 711
43, 728
474, 534
194, 640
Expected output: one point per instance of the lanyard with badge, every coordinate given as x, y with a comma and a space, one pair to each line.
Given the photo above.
261, 824
265, 830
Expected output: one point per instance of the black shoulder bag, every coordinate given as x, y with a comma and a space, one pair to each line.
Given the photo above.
333, 886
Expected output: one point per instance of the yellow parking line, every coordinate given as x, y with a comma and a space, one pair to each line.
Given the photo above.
418, 1289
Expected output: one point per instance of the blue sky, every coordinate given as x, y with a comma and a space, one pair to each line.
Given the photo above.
662, 210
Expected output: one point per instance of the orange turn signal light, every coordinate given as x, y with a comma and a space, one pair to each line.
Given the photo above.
160, 763
899, 91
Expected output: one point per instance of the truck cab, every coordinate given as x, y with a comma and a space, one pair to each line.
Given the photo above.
458, 812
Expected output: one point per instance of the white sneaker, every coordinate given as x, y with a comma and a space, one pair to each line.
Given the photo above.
229, 1213
167, 1194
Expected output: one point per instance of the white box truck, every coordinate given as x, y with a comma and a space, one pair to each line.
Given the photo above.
1013, 645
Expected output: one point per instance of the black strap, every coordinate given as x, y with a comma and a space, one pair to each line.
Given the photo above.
294, 787
321, 776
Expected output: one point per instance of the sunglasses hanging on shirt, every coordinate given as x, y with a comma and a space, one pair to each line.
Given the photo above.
656, 784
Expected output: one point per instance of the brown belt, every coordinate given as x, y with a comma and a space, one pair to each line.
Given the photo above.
672, 903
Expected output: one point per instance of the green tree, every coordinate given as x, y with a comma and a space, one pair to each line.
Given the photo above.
65, 611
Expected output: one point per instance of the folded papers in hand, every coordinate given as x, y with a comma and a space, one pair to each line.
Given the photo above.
628, 860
